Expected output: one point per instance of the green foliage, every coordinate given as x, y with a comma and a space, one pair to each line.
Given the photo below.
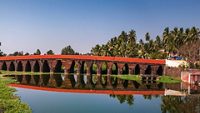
129, 99
67, 50
26, 54
171, 41
2, 54
104, 68
10, 103
17, 53
50, 52
168, 79
94, 68
128, 77
38, 52
123, 45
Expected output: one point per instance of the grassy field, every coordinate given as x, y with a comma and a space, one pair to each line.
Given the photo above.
10, 103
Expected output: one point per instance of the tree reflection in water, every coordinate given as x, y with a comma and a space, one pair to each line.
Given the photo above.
187, 104
129, 99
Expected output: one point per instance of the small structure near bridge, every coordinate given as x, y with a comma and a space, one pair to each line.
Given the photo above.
191, 76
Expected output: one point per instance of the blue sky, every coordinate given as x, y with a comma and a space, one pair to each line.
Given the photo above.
26, 25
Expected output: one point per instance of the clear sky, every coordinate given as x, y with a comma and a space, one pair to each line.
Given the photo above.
26, 25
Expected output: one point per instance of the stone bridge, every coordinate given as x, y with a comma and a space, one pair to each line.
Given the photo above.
82, 64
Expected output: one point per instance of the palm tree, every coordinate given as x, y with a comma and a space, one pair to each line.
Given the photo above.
96, 50
68, 50
147, 36
50, 52
38, 52
131, 49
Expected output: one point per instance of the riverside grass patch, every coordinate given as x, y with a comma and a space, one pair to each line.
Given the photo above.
128, 77
10, 103
168, 79
161, 79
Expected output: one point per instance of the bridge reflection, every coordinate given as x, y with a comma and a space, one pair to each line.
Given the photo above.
96, 84
85, 82
100, 84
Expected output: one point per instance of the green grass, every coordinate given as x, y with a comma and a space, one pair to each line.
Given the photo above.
162, 79
24, 73
168, 79
128, 77
10, 103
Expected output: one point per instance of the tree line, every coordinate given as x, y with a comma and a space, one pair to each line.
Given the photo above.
177, 41
68, 50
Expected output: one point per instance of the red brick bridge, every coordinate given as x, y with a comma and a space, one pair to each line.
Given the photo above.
82, 64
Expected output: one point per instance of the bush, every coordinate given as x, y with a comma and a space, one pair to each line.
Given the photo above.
10, 103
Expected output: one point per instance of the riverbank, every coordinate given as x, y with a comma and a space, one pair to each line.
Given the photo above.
9, 102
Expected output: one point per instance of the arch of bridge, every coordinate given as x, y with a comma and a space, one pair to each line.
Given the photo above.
83, 61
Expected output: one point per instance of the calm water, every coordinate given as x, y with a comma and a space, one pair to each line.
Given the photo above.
60, 100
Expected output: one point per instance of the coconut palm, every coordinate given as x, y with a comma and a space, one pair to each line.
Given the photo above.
131, 50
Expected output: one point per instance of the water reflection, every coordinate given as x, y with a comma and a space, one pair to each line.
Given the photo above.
187, 104
129, 99
173, 98
103, 83
85, 82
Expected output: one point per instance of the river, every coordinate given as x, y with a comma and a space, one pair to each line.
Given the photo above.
83, 94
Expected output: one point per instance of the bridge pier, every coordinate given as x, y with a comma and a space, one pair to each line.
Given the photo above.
78, 63
67, 66
23, 65
99, 68
88, 68
154, 69
131, 69
143, 69
52, 65
109, 68
120, 68
1, 65
8, 65
32, 65
52, 81
67, 82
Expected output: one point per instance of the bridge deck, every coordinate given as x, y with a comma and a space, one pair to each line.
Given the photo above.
84, 57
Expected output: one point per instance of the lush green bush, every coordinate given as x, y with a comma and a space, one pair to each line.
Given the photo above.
10, 103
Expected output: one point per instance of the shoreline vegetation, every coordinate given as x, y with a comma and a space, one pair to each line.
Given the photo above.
9, 102
162, 79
